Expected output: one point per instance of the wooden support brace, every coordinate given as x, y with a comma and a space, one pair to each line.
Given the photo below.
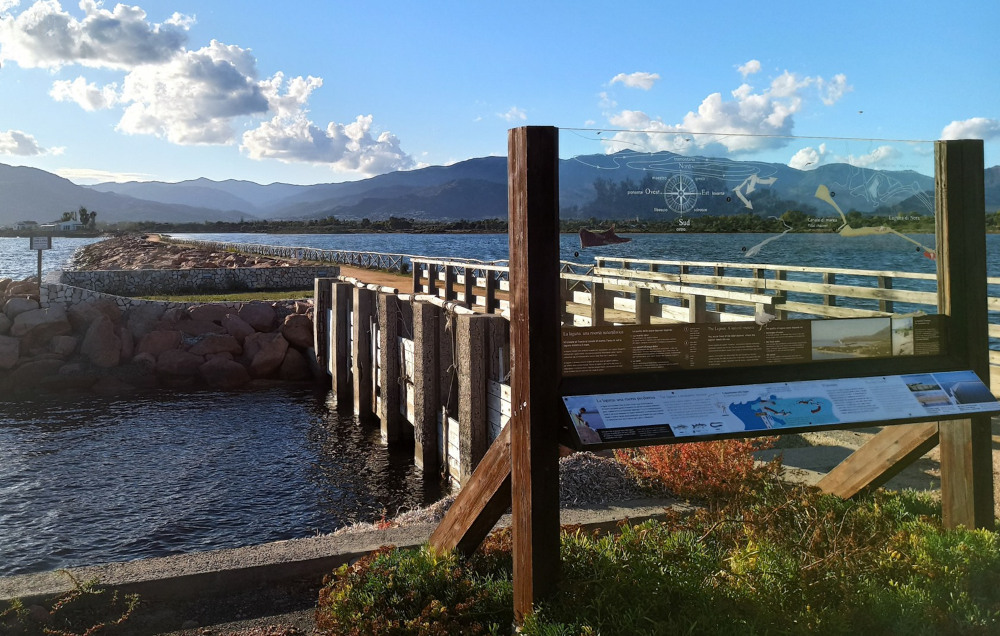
880, 459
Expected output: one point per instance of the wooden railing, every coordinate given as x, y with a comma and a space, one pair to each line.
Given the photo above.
654, 291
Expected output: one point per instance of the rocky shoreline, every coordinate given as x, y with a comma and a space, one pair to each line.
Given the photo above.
97, 346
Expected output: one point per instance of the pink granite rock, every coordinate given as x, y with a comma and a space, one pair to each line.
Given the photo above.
199, 327
294, 367
210, 312
10, 352
220, 373
40, 325
5, 323
174, 362
266, 352
16, 306
237, 327
156, 342
82, 315
141, 319
216, 343
298, 331
101, 344
128, 343
64, 346
258, 315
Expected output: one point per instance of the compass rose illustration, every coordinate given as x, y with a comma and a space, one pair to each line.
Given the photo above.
680, 193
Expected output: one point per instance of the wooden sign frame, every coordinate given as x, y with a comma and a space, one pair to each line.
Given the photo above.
520, 470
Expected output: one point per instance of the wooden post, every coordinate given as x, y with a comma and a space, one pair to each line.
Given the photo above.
829, 278
389, 317
340, 343
322, 312
491, 291
885, 282
417, 287
966, 445
472, 375
643, 310
533, 195
426, 386
362, 371
449, 282
596, 304
470, 287
432, 279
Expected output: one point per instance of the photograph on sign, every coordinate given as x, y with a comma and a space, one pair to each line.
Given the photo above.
745, 238
774, 407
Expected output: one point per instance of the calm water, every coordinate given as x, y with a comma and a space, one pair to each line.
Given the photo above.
91, 480
94, 480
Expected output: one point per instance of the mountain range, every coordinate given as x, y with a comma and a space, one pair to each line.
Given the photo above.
622, 185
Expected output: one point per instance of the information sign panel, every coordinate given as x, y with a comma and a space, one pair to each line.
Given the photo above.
646, 416
41, 243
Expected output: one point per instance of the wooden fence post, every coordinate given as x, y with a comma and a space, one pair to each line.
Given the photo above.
426, 386
389, 318
322, 306
966, 445
472, 375
340, 343
533, 195
363, 371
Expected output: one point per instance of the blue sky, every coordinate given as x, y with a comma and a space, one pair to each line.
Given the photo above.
313, 92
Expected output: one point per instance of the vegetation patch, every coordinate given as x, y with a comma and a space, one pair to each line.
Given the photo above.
759, 556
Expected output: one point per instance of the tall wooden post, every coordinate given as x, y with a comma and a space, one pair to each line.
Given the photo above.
966, 445
389, 318
363, 368
340, 344
533, 195
426, 386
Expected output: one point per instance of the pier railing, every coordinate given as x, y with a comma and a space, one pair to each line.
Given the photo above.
657, 291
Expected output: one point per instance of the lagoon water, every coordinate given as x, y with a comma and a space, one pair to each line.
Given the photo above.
86, 480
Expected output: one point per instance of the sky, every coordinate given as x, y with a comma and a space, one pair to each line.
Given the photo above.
326, 91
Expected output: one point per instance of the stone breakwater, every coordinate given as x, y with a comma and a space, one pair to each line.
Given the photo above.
98, 345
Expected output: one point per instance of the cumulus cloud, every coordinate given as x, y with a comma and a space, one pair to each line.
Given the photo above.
809, 158
290, 136
975, 128
46, 36
641, 80
751, 67
87, 96
7, 5
188, 96
515, 114
748, 121
881, 156
15, 142
194, 98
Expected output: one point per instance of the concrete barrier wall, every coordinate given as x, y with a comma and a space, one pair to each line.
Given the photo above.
425, 372
145, 282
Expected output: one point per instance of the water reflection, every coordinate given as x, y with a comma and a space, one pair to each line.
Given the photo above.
90, 480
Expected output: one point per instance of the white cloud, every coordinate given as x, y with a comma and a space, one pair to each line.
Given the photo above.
45, 36
189, 97
290, 136
638, 79
15, 142
809, 158
881, 156
513, 115
194, 98
751, 67
831, 91
88, 96
6, 5
748, 122
81, 176
975, 128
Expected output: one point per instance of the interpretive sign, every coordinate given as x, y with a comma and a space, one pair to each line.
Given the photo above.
619, 418
41, 242
654, 348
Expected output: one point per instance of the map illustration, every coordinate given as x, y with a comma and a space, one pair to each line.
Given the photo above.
774, 412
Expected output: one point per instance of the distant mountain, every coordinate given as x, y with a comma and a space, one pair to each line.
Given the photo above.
623, 185
30, 194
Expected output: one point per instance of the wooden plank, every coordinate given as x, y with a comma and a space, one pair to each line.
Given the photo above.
831, 312
480, 504
966, 445
536, 344
880, 459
